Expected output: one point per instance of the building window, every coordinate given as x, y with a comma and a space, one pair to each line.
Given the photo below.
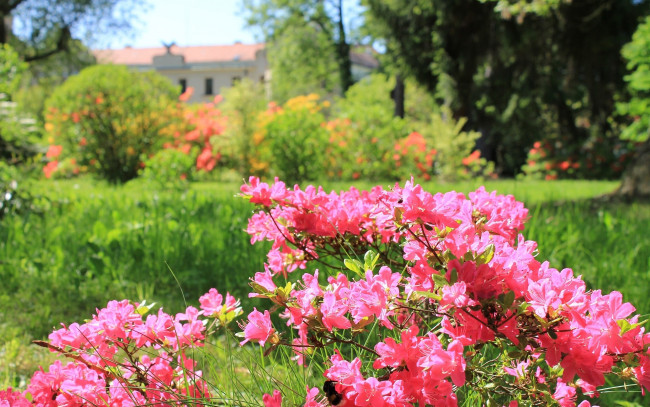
208, 86
183, 83
235, 80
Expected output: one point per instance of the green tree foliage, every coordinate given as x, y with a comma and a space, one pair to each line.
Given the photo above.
301, 62
11, 70
519, 8
551, 73
637, 54
44, 75
243, 103
636, 181
110, 116
48, 27
312, 34
17, 132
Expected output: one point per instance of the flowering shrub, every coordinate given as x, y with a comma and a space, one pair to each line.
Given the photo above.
456, 157
600, 158
290, 139
419, 156
243, 104
420, 299
196, 132
169, 168
431, 299
119, 358
106, 117
370, 132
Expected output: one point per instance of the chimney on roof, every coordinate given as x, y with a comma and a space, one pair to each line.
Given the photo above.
237, 42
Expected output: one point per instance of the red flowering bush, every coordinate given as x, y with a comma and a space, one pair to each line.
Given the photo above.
431, 300
600, 158
197, 132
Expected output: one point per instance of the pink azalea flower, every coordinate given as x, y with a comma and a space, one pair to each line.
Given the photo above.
259, 327
344, 372
272, 401
334, 311
310, 399
9, 398
565, 395
211, 302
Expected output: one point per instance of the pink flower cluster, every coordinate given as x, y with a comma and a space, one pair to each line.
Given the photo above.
121, 359
455, 277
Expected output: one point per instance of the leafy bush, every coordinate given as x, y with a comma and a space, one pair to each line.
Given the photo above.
11, 70
291, 141
18, 132
107, 116
455, 157
368, 142
242, 105
169, 169
15, 192
601, 157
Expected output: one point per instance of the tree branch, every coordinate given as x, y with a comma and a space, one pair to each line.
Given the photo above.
62, 44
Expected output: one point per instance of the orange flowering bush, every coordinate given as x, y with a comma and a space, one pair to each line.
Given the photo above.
105, 118
413, 156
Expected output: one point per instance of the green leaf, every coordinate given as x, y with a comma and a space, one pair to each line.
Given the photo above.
429, 294
354, 265
626, 326
440, 280
486, 256
453, 276
370, 260
144, 308
508, 299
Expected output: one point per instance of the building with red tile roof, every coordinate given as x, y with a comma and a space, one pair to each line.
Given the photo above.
210, 69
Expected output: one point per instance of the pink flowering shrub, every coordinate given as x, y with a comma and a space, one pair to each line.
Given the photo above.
120, 358
430, 299
418, 299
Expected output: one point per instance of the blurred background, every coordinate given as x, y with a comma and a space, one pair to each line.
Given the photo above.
544, 88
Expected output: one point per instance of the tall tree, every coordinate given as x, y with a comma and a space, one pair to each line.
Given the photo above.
518, 73
48, 26
325, 19
636, 180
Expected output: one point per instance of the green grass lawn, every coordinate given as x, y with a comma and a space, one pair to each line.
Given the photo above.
93, 243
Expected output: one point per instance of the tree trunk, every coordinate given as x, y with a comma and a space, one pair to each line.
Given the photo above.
343, 53
398, 96
3, 29
636, 180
